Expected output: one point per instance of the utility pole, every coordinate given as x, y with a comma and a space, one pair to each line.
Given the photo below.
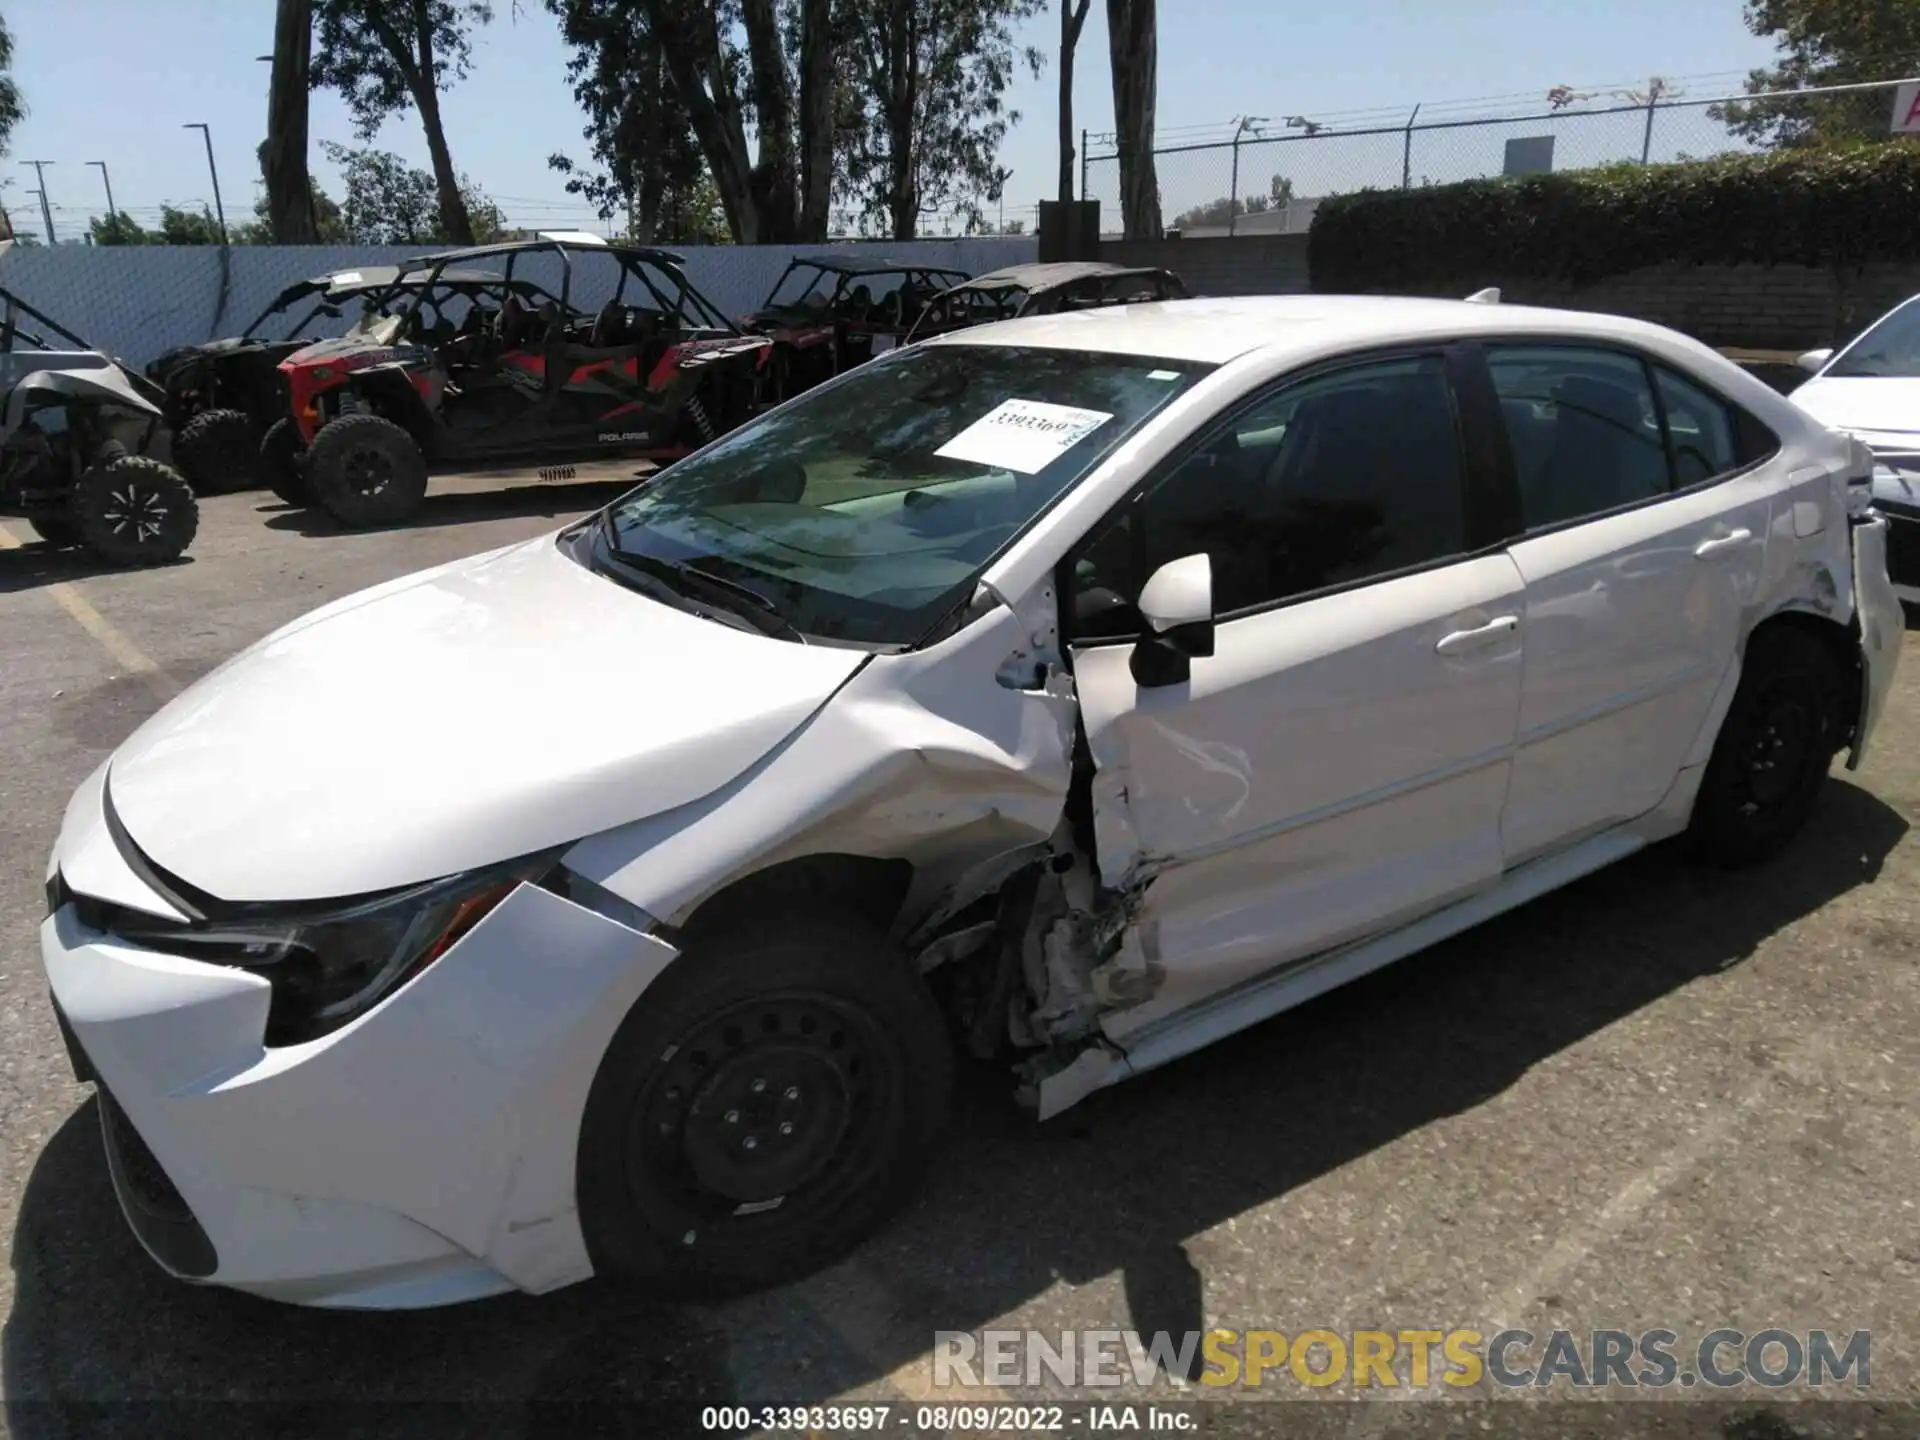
107, 180
1243, 124
218, 209
46, 210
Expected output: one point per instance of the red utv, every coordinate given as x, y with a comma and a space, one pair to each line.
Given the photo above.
828, 313
424, 306
652, 373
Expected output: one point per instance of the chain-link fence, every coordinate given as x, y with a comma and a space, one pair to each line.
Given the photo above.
1269, 175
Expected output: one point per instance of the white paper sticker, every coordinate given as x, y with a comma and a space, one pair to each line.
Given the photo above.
1163, 374
1023, 435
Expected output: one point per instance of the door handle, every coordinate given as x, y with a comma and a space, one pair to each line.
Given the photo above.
1461, 641
1722, 544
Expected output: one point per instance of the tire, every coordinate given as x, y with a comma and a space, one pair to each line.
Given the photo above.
365, 470
283, 463
851, 1050
218, 452
1773, 751
61, 529
135, 511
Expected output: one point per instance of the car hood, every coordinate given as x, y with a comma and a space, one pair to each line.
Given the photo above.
1869, 407
466, 715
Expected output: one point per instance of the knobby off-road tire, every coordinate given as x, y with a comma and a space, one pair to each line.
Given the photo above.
365, 470
283, 463
219, 452
1773, 751
768, 1102
133, 510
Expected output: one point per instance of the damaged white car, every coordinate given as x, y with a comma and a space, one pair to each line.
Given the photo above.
1074, 691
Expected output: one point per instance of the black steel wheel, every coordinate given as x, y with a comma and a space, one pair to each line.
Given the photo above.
1774, 748
135, 511
365, 470
770, 1100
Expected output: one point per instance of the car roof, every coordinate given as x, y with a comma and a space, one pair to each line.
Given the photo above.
1048, 274
1214, 331
581, 244
853, 265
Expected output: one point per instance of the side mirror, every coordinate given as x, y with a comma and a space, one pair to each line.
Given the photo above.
1177, 605
1814, 361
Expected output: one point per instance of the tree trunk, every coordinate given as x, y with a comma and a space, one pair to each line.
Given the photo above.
1072, 17
1131, 47
690, 48
903, 66
644, 224
426, 95
283, 157
816, 118
776, 184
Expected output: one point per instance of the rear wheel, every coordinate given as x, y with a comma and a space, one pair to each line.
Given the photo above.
217, 451
768, 1102
1773, 751
135, 511
283, 461
366, 470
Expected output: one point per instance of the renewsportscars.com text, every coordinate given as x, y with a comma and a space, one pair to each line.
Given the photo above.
1720, 1359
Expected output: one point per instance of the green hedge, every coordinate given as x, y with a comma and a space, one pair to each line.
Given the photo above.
1830, 207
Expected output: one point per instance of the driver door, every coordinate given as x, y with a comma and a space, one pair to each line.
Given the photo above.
1339, 763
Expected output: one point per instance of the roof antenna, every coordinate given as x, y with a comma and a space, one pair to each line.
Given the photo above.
1488, 296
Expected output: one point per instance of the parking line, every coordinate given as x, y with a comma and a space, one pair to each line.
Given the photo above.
95, 624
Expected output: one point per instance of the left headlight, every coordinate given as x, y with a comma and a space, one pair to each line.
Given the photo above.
329, 966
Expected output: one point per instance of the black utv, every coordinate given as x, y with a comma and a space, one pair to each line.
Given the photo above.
222, 396
84, 447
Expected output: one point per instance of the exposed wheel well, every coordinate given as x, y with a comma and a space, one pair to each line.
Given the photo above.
872, 888
1842, 643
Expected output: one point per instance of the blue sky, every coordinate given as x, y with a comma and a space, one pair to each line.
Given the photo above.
115, 80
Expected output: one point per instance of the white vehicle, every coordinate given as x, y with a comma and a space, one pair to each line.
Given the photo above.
1871, 390
1077, 690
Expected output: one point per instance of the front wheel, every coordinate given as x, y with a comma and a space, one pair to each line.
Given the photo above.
1773, 751
132, 510
365, 470
282, 461
770, 1100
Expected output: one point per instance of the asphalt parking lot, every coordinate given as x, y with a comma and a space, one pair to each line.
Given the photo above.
1661, 1098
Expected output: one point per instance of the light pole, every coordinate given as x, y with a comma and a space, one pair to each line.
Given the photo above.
46, 210
107, 180
218, 209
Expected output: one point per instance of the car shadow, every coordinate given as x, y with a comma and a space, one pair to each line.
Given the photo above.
1116, 1186
41, 563
460, 507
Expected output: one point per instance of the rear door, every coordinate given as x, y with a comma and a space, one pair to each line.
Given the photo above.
1339, 763
1643, 543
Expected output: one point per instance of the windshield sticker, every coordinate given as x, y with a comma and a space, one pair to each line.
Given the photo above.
1023, 435
1163, 374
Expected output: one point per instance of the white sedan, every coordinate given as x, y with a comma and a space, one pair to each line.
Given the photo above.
1074, 691
1871, 389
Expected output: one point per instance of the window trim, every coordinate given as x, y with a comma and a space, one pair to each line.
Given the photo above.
1650, 366
1476, 490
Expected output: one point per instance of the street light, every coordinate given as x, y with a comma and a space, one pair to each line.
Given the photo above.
1241, 127
218, 209
46, 210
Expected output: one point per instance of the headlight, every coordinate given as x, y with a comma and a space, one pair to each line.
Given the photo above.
328, 966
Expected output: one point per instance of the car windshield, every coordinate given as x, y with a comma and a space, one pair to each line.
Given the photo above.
864, 511
1890, 350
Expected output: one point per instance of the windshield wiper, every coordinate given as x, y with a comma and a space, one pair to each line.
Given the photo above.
700, 585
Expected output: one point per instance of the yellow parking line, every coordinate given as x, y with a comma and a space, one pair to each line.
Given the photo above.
95, 624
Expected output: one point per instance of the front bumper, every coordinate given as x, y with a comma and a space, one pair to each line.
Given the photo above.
421, 1155
1882, 625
